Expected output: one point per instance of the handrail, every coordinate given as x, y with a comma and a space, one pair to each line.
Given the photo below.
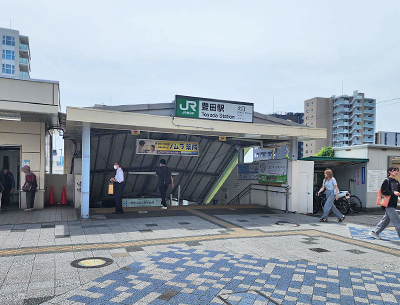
248, 188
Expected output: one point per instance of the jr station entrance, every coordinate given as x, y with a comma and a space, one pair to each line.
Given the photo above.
200, 138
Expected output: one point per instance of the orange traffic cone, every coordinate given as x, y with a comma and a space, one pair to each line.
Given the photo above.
51, 197
63, 197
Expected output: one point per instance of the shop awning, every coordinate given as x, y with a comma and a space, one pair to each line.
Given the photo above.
329, 162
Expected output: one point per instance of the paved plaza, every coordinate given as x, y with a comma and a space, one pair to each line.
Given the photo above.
195, 255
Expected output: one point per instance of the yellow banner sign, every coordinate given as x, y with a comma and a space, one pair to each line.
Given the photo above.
161, 147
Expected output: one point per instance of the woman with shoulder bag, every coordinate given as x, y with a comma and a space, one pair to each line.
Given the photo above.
390, 187
330, 185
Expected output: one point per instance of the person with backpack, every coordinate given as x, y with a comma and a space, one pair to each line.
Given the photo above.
29, 187
390, 187
164, 179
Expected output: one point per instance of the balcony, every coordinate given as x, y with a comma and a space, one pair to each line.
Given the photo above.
356, 104
355, 142
355, 112
340, 130
367, 132
341, 102
341, 117
369, 140
341, 109
23, 74
340, 138
340, 124
368, 125
23, 61
368, 111
369, 118
23, 47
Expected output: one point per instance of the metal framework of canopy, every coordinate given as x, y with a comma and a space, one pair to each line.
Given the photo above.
111, 140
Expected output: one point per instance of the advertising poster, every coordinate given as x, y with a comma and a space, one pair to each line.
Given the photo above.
247, 171
272, 171
375, 179
161, 147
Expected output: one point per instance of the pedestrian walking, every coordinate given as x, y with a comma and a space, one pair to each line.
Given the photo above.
164, 180
118, 187
7, 179
330, 187
390, 187
29, 187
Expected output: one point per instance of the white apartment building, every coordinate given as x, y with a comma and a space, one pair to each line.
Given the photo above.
353, 120
349, 120
15, 59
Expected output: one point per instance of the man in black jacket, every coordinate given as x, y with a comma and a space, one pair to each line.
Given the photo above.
8, 182
164, 179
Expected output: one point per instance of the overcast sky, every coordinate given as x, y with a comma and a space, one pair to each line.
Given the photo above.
136, 52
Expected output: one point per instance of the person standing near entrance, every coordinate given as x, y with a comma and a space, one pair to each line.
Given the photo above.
330, 185
390, 187
29, 187
118, 187
7, 179
164, 179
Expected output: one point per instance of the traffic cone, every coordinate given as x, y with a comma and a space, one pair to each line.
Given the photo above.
51, 197
63, 197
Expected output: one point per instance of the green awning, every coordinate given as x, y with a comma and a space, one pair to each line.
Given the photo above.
330, 162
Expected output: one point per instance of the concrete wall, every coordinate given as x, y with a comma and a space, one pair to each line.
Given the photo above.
31, 138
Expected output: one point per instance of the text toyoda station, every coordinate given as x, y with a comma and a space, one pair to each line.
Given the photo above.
95, 137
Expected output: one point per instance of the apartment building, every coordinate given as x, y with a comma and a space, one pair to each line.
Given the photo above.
349, 120
15, 59
318, 112
387, 138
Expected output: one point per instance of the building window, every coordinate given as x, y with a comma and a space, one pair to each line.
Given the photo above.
8, 54
8, 40
306, 151
307, 118
308, 104
307, 124
307, 144
7, 69
308, 110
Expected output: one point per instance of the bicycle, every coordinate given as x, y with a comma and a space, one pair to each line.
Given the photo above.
319, 201
355, 204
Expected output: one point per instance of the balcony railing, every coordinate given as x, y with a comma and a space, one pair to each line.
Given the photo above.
341, 109
356, 142
340, 139
23, 47
341, 102
368, 139
23, 74
367, 132
367, 118
368, 125
369, 111
24, 61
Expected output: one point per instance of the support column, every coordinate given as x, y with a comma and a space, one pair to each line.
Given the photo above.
50, 152
85, 172
293, 149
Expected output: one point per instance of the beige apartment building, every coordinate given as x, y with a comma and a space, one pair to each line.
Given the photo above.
349, 120
318, 114
15, 57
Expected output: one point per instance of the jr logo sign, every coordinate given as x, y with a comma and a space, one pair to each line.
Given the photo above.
187, 108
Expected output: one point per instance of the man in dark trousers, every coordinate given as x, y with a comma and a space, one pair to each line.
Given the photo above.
164, 179
118, 188
7, 179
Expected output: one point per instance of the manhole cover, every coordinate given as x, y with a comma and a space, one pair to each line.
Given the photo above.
92, 262
286, 223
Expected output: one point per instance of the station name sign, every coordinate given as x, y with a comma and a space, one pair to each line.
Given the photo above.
204, 108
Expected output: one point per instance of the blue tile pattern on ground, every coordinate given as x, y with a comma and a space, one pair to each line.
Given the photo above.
199, 276
362, 233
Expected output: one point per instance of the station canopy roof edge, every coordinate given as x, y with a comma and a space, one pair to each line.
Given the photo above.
265, 129
328, 162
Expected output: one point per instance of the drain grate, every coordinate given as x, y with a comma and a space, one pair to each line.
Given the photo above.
151, 225
168, 295
319, 250
133, 249
356, 251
